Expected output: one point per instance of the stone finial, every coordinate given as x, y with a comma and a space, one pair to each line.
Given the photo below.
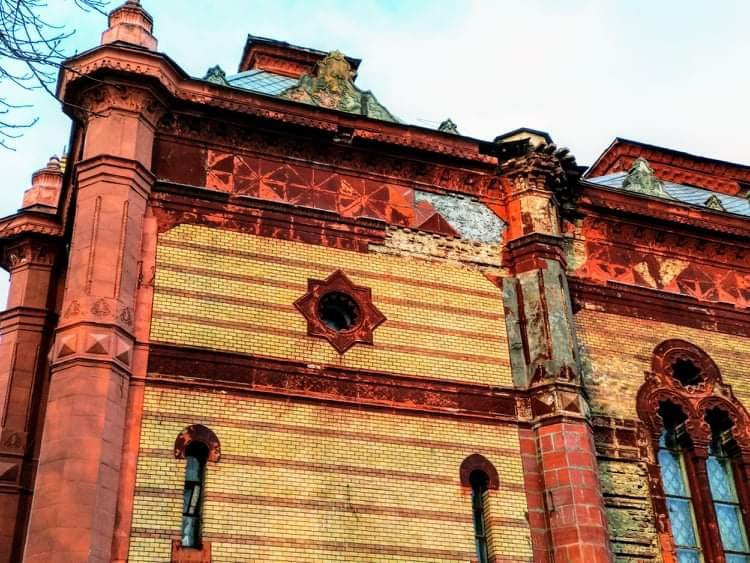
130, 23
216, 75
642, 179
45, 185
713, 202
448, 126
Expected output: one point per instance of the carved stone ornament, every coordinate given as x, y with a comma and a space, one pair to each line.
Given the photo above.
642, 179
332, 86
448, 126
28, 252
358, 316
713, 202
695, 394
216, 75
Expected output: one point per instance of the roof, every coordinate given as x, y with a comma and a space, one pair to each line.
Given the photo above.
683, 154
262, 82
690, 195
679, 167
304, 57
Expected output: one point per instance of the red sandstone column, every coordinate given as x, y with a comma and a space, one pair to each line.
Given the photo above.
73, 512
25, 329
534, 486
75, 501
134, 415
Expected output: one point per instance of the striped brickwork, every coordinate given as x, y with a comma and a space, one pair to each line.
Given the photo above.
232, 291
310, 482
617, 350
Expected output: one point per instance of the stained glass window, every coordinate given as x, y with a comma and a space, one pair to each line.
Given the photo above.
679, 503
727, 506
195, 456
478, 492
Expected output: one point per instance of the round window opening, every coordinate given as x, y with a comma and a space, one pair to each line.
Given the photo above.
686, 372
338, 311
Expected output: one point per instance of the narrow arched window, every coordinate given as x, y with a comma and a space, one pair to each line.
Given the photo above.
722, 483
678, 497
479, 481
196, 455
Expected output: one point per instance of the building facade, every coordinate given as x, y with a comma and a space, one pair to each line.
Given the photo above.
256, 317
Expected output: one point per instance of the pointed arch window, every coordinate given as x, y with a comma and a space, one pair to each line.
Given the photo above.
702, 443
723, 481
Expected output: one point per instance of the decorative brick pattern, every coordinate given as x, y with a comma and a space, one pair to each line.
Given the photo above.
302, 482
231, 291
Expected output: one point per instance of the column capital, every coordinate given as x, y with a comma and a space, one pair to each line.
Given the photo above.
29, 251
101, 99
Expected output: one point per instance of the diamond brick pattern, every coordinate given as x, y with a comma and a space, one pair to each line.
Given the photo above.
347, 195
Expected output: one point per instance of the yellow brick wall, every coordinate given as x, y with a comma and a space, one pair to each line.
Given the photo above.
233, 291
617, 350
309, 482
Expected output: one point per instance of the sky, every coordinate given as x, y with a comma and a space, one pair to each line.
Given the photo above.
669, 72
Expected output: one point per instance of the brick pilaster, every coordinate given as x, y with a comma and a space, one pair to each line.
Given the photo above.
566, 508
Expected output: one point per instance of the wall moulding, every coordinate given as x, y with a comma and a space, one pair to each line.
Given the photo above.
656, 305
174, 365
179, 85
595, 198
174, 205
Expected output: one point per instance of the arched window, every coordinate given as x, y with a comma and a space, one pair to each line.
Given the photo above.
196, 455
478, 492
701, 438
196, 444
723, 484
679, 499
481, 476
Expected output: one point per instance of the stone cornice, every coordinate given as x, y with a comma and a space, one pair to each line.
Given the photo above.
30, 222
113, 169
159, 68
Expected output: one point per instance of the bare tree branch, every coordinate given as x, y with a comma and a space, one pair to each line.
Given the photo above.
32, 50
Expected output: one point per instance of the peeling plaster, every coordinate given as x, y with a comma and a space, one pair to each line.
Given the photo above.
470, 218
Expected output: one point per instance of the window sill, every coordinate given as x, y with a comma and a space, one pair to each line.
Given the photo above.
182, 554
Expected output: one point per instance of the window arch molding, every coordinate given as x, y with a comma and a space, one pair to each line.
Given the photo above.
685, 380
198, 433
477, 462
